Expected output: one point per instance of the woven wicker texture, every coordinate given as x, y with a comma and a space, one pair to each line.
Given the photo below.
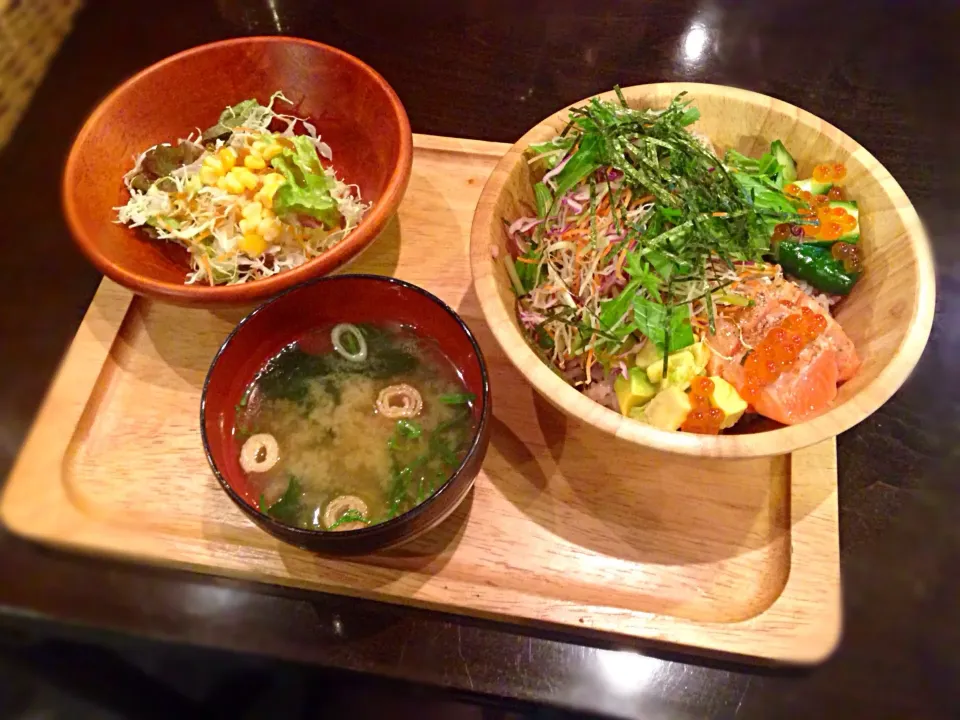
30, 34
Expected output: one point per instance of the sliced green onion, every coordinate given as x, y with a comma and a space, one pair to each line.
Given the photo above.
337, 335
457, 398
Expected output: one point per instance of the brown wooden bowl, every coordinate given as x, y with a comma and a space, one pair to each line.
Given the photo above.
271, 327
888, 315
356, 112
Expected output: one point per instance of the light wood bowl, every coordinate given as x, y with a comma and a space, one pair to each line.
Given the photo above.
888, 315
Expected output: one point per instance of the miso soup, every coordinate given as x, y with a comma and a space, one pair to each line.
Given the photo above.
353, 425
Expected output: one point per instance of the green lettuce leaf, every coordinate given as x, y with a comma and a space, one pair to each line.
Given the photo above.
234, 117
651, 319
307, 189
160, 161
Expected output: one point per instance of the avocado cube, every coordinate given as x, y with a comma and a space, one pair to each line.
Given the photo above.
633, 390
639, 413
648, 355
728, 401
681, 370
701, 354
668, 409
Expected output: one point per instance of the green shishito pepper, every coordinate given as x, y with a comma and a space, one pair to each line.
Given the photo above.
817, 266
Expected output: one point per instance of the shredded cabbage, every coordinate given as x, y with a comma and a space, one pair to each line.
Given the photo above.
312, 209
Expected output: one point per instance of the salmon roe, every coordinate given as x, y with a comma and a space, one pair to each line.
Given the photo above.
779, 349
703, 418
826, 223
781, 231
831, 173
849, 254
821, 222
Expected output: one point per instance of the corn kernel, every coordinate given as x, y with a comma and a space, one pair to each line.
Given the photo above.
252, 244
249, 225
274, 178
214, 163
252, 210
269, 228
232, 184
245, 177
209, 176
258, 146
271, 151
254, 162
228, 158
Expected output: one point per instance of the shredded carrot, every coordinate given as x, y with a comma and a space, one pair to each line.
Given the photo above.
530, 261
604, 206
206, 266
640, 201
620, 258
718, 214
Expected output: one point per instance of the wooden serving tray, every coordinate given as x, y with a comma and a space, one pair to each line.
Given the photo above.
566, 528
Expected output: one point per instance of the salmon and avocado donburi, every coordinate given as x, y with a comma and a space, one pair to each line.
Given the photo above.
353, 425
680, 289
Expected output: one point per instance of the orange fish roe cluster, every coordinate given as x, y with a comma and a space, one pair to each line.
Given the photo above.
832, 173
827, 223
779, 350
833, 222
703, 418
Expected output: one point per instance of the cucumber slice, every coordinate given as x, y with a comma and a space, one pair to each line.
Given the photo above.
813, 187
788, 171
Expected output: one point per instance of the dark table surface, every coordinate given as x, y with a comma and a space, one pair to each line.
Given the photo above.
883, 71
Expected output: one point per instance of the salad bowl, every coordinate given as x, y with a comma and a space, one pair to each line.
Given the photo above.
353, 108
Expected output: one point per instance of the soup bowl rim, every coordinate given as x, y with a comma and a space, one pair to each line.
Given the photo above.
371, 531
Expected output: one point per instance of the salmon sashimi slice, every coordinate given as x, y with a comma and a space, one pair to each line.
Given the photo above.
810, 384
724, 344
848, 362
804, 390
753, 320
